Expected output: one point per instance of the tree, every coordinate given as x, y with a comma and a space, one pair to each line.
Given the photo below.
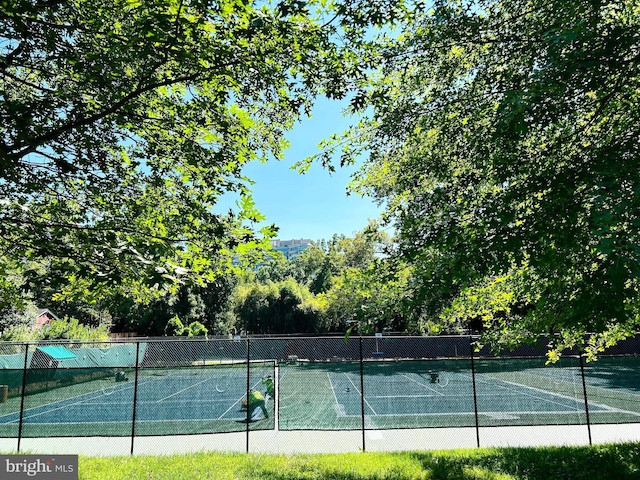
362, 250
65, 328
197, 329
175, 327
208, 305
372, 299
12, 317
277, 307
123, 122
323, 260
277, 268
16, 309
315, 265
332, 264
503, 141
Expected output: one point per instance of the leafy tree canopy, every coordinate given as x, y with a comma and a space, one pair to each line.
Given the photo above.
122, 122
65, 328
504, 140
277, 307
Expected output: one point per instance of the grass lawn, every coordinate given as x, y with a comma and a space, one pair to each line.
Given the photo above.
603, 462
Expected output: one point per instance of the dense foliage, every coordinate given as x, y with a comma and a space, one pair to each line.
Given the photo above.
500, 136
503, 139
329, 287
58, 329
122, 122
332, 286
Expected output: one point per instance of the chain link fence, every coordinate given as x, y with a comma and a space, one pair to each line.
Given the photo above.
244, 393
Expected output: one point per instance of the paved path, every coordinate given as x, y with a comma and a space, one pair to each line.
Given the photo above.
287, 442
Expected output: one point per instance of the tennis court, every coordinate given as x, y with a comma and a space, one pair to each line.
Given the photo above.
441, 394
166, 402
197, 386
324, 396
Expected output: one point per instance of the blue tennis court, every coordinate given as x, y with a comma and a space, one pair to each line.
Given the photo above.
196, 397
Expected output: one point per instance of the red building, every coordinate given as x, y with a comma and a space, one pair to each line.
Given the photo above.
44, 318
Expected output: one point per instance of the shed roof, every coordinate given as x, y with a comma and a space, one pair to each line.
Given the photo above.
42, 311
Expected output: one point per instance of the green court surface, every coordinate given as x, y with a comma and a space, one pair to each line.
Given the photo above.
405, 395
198, 399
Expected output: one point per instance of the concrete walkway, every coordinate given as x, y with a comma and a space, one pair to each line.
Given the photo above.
311, 441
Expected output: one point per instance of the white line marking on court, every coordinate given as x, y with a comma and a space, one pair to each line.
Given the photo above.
422, 384
606, 408
496, 383
581, 401
179, 401
333, 389
184, 389
360, 393
494, 380
339, 407
238, 401
128, 422
92, 397
52, 409
472, 414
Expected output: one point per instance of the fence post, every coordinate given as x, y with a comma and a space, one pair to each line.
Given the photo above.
248, 389
586, 402
135, 397
362, 394
24, 387
475, 396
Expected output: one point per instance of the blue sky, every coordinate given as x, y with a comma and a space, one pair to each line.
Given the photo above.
314, 205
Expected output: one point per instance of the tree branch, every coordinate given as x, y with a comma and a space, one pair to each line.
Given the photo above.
3, 72
45, 225
51, 135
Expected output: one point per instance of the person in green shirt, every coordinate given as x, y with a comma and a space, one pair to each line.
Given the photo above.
270, 386
256, 400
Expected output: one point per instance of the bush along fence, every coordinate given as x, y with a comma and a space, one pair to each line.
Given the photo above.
162, 387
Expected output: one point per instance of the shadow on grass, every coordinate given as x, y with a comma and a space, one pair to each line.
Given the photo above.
604, 462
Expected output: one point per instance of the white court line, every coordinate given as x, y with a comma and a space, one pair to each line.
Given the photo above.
333, 389
122, 422
93, 396
604, 407
339, 407
184, 389
496, 383
49, 410
410, 396
363, 397
423, 384
472, 414
237, 401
